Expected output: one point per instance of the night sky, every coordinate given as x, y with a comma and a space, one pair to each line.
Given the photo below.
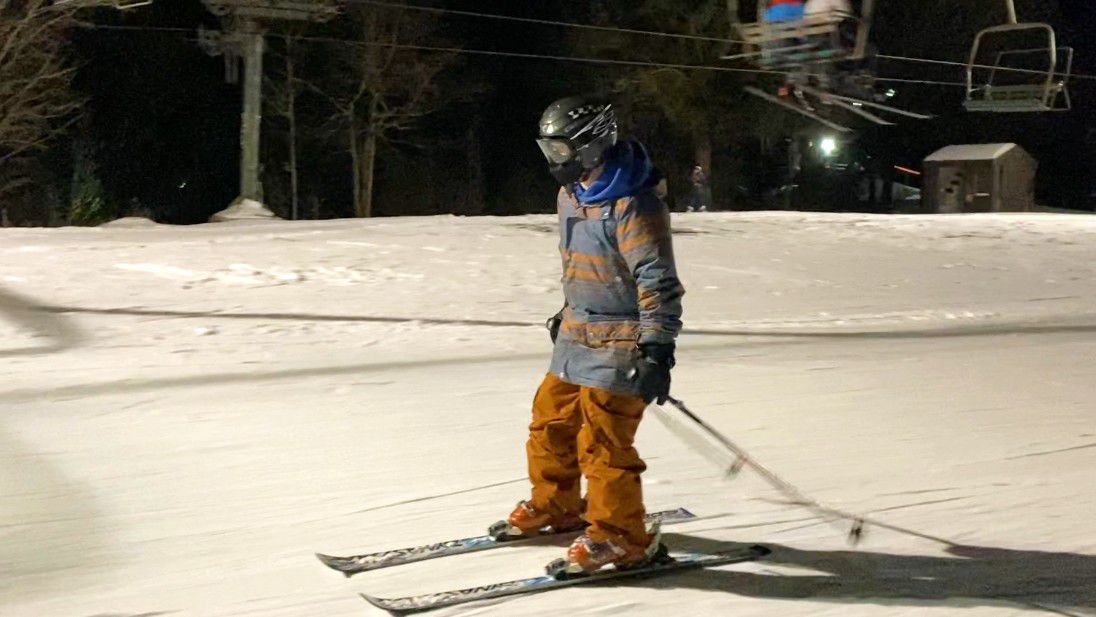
165, 124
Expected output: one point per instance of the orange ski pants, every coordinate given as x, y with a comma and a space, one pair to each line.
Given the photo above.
582, 431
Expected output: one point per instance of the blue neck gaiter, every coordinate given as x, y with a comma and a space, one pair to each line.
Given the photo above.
627, 170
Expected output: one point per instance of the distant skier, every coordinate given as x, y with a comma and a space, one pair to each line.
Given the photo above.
614, 339
698, 200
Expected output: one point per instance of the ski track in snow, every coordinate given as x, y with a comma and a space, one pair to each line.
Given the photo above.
190, 413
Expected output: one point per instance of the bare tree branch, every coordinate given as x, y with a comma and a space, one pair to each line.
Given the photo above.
377, 89
36, 100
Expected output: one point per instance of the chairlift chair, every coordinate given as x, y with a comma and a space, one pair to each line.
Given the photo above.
811, 48
812, 39
1045, 89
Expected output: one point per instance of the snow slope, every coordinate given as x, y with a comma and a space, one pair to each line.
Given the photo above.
189, 413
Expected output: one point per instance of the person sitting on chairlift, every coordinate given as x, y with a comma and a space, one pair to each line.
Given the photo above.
816, 7
784, 10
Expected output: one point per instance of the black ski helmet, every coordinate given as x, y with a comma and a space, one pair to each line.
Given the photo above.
575, 133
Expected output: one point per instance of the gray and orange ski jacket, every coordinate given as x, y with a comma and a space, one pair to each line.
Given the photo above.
619, 280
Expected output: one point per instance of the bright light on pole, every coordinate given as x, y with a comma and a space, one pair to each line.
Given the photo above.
828, 146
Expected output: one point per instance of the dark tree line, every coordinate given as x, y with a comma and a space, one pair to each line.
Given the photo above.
379, 112
36, 100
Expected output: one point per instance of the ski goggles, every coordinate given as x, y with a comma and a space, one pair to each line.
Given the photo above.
557, 151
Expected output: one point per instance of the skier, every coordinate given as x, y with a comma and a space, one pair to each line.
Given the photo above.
698, 201
784, 10
816, 7
613, 340
779, 11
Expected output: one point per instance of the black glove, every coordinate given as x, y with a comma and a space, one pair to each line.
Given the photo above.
553, 325
652, 371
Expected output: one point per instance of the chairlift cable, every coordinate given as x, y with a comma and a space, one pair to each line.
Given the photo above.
481, 52
926, 82
587, 60
676, 35
547, 22
510, 54
979, 66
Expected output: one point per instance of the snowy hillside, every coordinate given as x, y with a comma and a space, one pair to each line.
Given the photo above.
190, 413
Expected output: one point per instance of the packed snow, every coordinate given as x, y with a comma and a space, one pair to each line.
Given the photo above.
190, 413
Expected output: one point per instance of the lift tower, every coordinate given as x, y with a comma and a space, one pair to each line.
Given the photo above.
243, 38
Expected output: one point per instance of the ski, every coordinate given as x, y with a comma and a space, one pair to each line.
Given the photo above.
676, 563
893, 110
796, 108
384, 559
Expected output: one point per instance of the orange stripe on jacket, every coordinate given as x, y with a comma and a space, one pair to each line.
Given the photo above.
569, 256
584, 275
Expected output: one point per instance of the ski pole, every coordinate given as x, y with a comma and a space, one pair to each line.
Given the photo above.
742, 459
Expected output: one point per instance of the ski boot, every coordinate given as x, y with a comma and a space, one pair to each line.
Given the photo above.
526, 521
585, 556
